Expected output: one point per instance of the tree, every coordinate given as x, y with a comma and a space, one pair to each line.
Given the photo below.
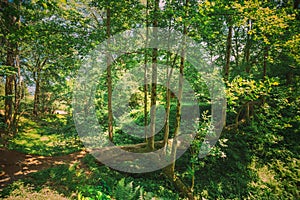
170, 170
151, 139
51, 46
228, 49
146, 72
10, 18
109, 78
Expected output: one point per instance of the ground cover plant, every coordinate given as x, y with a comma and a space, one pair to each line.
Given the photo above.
170, 69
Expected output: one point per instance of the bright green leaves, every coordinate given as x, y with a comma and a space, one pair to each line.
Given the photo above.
7, 70
293, 46
241, 91
267, 21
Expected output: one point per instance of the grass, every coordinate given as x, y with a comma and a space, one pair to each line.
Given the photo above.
252, 169
21, 192
94, 182
52, 136
55, 136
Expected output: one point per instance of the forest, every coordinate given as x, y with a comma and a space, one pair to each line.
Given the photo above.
149, 99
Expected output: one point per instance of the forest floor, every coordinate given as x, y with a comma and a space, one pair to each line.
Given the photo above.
15, 165
46, 159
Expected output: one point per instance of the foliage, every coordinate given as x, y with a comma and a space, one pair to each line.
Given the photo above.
22, 192
54, 135
259, 42
127, 191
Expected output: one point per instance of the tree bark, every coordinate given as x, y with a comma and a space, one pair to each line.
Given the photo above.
37, 92
247, 48
18, 77
179, 185
145, 75
38, 79
266, 52
248, 65
168, 106
109, 76
171, 168
9, 85
237, 56
18, 94
228, 50
11, 23
168, 91
178, 108
151, 139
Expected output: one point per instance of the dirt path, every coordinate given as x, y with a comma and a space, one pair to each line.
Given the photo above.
15, 165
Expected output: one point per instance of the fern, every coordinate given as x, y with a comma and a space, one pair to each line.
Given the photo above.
127, 191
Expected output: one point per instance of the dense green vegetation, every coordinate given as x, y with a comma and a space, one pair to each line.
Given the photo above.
257, 165
253, 46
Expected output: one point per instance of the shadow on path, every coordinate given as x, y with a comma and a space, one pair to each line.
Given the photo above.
15, 165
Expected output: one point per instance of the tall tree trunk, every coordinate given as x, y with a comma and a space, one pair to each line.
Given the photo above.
237, 56
109, 76
228, 51
9, 85
18, 94
10, 61
168, 105
146, 74
170, 170
168, 98
13, 82
36, 101
168, 91
247, 48
18, 77
38, 79
151, 139
266, 49
178, 108
266, 52
248, 65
